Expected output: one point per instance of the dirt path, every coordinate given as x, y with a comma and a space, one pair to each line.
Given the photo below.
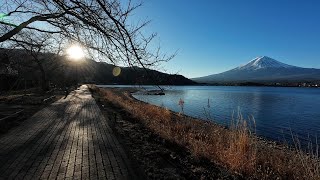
69, 139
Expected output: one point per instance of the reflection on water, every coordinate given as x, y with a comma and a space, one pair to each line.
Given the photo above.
278, 111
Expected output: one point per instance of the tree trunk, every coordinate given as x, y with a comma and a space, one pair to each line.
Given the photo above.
44, 82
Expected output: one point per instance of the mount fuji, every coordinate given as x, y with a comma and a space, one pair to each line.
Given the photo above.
263, 69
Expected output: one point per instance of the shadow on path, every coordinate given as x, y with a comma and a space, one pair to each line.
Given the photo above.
68, 139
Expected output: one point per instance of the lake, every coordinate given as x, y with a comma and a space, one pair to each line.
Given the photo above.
279, 112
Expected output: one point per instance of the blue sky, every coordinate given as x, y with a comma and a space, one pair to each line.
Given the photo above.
213, 36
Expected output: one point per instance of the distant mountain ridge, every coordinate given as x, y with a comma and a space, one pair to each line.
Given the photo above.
263, 69
59, 71
135, 75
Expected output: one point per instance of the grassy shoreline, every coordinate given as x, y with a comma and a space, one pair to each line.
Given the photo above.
236, 148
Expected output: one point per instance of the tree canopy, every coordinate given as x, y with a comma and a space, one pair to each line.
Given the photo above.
103, 27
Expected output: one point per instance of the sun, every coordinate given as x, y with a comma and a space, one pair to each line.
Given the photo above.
75, 52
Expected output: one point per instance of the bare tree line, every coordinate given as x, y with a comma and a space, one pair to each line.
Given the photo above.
103, 27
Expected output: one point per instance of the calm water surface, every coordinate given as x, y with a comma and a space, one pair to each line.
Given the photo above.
278, 111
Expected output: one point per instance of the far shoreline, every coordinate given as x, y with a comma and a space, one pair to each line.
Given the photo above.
222, 85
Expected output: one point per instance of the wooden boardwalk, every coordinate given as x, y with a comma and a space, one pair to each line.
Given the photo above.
70, 139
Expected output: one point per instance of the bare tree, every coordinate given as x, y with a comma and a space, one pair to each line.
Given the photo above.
104, 27
36, 45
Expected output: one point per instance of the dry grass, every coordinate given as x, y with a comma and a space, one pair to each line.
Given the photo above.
235, 148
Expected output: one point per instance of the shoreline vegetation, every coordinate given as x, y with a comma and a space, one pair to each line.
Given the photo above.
236, 149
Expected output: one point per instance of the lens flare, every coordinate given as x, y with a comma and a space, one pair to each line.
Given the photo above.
75, 52
2, 15
116, 71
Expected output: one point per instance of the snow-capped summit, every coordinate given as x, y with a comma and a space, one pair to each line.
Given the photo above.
263, 69
264, 62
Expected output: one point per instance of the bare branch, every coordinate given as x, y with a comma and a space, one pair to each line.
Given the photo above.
101, 26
